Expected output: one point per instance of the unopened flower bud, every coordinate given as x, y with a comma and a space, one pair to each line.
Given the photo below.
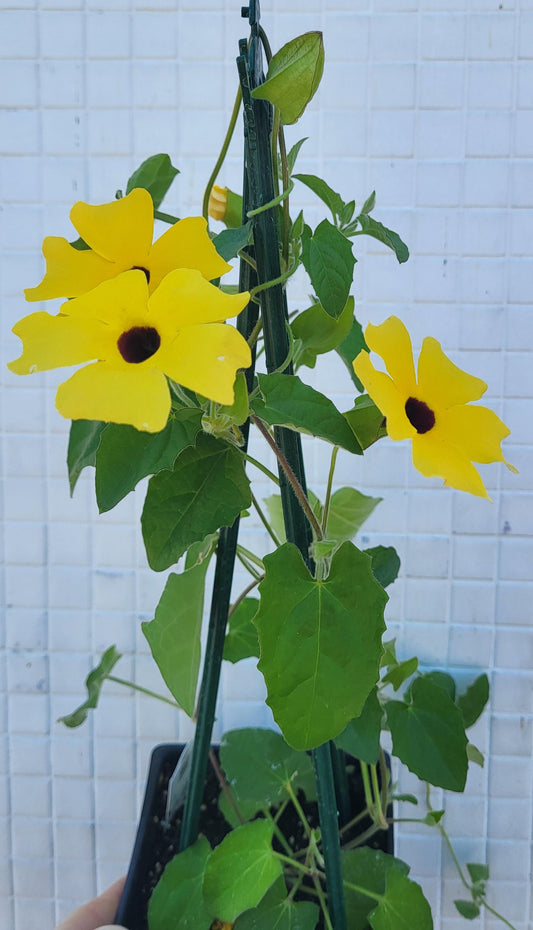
225, 205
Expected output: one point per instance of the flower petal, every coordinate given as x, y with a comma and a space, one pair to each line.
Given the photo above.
477, 430
134, 394
120, 231
206, 359
119, 303
186, 245
441, 383
185, 298
69, 271
386, 396
54, 342
392, 342
435, 456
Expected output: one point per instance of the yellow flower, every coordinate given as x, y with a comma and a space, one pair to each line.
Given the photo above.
120, 238
447, 434
137, 341
225, 205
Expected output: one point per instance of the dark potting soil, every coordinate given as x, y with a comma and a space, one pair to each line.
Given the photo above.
161, 843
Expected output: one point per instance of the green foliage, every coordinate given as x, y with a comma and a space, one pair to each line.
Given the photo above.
287, 401
229, 242
371, 227
428, 735
366, 420
403, 906
287, 915
174, 633
363, 870
385, 563
240, 870
156, 174
293, 76
361, 737
350, 347
320, 642
468, 909
293, 153
83, 443
328, 259
206, 489
400, 673
472, 702
348, 511
241, 639
316, 332
333, 201
93, 683
178, 900
126, 455
276, 766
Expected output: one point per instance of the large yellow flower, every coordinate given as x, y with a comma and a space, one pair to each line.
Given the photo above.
137, 340
447, 434
120, 238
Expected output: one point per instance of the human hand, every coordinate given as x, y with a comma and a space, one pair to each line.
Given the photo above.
96, 914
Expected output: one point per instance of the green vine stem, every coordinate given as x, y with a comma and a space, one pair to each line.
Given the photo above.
134, 687
259, 465
257, 116
253, 584
328, 490
264, 521
223, 152
165, 217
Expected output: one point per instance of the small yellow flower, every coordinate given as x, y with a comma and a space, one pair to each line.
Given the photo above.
447, 434
137, 341
226, 206
120, 238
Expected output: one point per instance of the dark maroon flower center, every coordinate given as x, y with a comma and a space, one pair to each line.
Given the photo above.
140, 268
419, 415
138, 343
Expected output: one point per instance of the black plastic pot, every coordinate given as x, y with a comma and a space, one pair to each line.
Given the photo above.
155, 845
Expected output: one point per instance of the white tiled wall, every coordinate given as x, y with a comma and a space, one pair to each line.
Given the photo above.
431, 103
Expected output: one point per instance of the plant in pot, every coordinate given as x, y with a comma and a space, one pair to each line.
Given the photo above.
289, 829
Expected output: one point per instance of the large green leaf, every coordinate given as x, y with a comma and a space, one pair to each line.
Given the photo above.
240, 870
428, 735
367, 869
320, 642
385, 563
126, 455
366, 420
329, 262
84, 439
333, 201
155, 175
93, 683
206, 489
259, 765
371, 227
177, 901
293, 76
348, 511
361, 737
472, 702
403, 906
288, 915
287, 401
174, 633
318, 332
241, 639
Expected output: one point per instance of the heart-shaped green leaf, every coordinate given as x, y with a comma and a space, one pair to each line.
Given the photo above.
177, 901
155, 175
293, 76
329, 262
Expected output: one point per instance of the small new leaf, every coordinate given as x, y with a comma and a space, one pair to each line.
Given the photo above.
333, 201
317, 332
156, 174
229, 242
293, 76
385, 563
468, 909
93, 683
371, 227
472, 702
